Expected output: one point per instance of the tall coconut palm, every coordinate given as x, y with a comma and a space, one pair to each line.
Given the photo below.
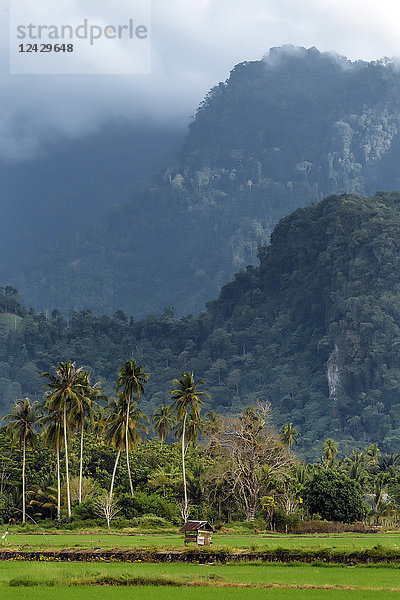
161, 479
115, 433
289, 435
356, 465
373, 453
21, 427
53, 438
185, 398
193, 428
380, 497
163, 422
329, 450
82, 409
131, 382
100, 421
212, 423
65, 391
119, 422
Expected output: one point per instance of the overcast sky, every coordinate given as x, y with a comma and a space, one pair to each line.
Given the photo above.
195, 43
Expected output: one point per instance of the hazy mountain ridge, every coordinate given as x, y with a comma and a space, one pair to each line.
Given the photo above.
48, 202
280, 133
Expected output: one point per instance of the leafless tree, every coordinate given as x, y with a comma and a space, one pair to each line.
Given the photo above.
252, 453
184, 509
105, 506
289, 503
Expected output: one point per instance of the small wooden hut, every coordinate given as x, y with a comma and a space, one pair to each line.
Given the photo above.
197, 532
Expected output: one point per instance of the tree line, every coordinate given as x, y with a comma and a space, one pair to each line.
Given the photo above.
223, 468
73, 402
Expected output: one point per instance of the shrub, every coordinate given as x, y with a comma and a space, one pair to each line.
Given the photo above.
119, 523
283, 521
150, 521
330, 527
78, 525
145, 504
6, 507
334, 496
84, 511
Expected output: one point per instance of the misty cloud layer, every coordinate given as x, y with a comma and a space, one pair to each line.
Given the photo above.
195, 44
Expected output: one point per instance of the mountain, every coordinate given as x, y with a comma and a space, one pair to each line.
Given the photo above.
315, 329
280, 133
50, 199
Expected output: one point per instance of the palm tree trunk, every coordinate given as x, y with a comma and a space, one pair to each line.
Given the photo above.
126, 445
66, 461
129, 471
81, 466
23, 481
113, 475
58, 482
185, 506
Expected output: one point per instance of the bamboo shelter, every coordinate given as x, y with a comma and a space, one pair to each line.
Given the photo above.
197, 532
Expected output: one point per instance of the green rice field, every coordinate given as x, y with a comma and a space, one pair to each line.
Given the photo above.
22, 580
74, 581
175, 541
144, 593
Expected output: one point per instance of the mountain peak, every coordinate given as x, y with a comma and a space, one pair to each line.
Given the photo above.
280, 133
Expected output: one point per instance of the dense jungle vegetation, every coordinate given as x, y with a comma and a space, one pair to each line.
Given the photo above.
314, 330
63, 463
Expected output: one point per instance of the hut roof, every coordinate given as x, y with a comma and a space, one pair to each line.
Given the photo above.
196, 525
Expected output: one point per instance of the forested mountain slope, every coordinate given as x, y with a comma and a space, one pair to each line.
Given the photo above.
52, 199
315, 329
281, 133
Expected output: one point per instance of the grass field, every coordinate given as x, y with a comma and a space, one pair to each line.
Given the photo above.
381, 577
145, 593
74, 581
20, 580
175, 541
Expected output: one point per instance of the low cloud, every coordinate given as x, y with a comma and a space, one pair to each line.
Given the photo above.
195, 43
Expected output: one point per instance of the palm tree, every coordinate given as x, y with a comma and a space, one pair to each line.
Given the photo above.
373, 453
21, 427
131, 381
163, 422
388, 463
119, 422
100, 421
82, 409
53, 438
66, 391
289, 435
379, 499
212, 423
186, 399
160, 479
192, 430
42, 501
329, 450
356, 465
